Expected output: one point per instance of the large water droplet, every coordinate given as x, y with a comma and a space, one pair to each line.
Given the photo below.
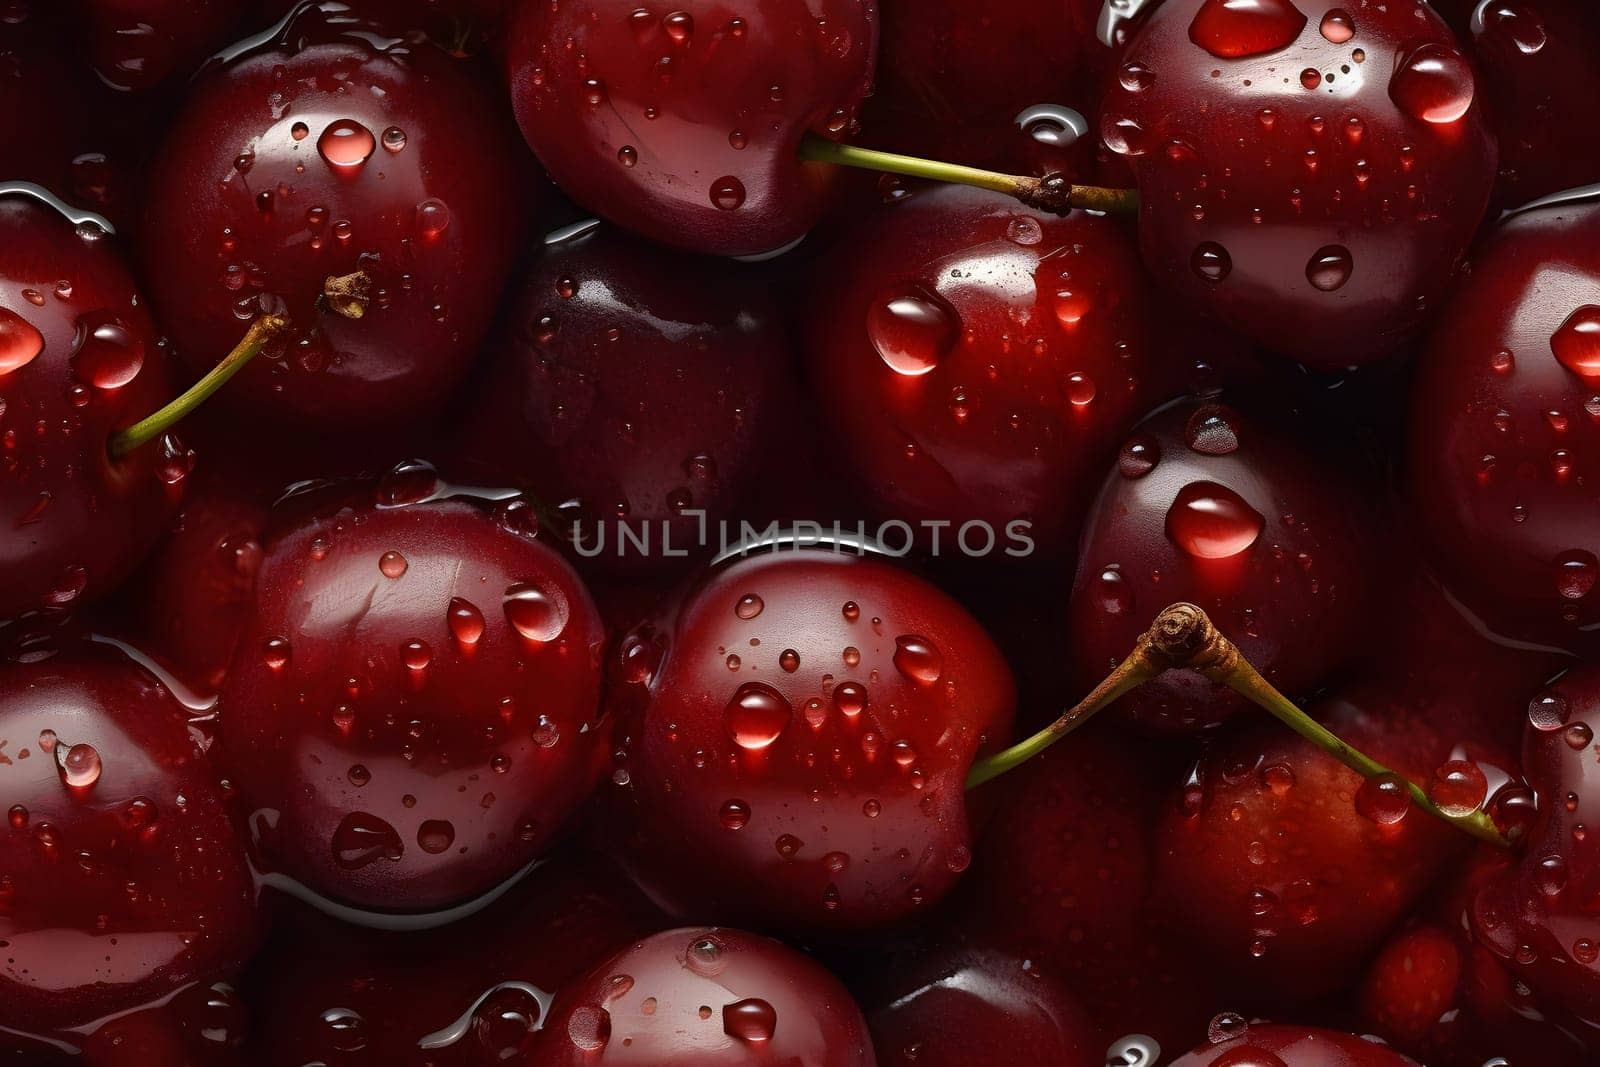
751, 1020
757, 716
727, 193
1576, 572
1230, 29
79, 765
465, 621
1433, 83
1211, 261
536, 615
20, 343
1211, 521
1330, 267
346, 144
1337, 26
107, 354
435, 836
1576, 342
362, 839
918, 659
1514, 23
1383, 799
912, 330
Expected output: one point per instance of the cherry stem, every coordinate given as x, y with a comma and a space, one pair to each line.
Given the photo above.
1054, 195
1183, 636
147, 429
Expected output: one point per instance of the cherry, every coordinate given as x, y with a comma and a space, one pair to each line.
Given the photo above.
1310, 171
704, 996
980, 361
937, 94
956, 1006
1233, 1042
1064, 877
1284, 868
683, 122
1505, 431
1536, 62
639, 391
359, 185
1211, 505
410, 711
1537, 917
121, 878
808, 719
467, 994
79, 360
206, 570
137, 44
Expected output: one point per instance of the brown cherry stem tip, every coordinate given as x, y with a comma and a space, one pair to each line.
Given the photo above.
1184, 637
141, 433
347, 295
1054, 195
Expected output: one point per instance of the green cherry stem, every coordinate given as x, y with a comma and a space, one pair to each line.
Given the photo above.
1054, 195
1183, 637
147, 429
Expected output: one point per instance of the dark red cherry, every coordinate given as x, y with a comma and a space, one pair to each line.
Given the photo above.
1064, 877
359, 184
137, 44
700, 997
979, 361
638, 392
410, 714
205, 569
1536, 59
121, 878
1310, 171
1537, 917
937, 95
1233, 1041
683, 122
79, 360
807, 719
1209, 504
468, 994
954, 1006
1504, 438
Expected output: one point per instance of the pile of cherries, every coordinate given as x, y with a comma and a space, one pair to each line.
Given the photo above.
380, 683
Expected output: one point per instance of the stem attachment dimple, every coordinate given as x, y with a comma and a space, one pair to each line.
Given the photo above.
1054, 195
147, 429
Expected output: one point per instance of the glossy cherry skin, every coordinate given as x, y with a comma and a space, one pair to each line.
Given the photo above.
137, 44
1537, 917
702, 997
955, 1006
326, 152
467, 994
79, 360
980, 362
1504, 439
1212, 505
682, 122
636, 390
1064, 876
123, 879
410, 715
1266, 1045
808, 720
937, 94
1310, 171
1536, 61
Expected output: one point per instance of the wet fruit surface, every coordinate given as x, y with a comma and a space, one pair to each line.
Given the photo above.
705, 995
1235, 1042
79, 360
334, 160
410, 718
1503, 443
979, 363
121, 880
640, 398
1212, 504
811, 718
1310, 171
683, 122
